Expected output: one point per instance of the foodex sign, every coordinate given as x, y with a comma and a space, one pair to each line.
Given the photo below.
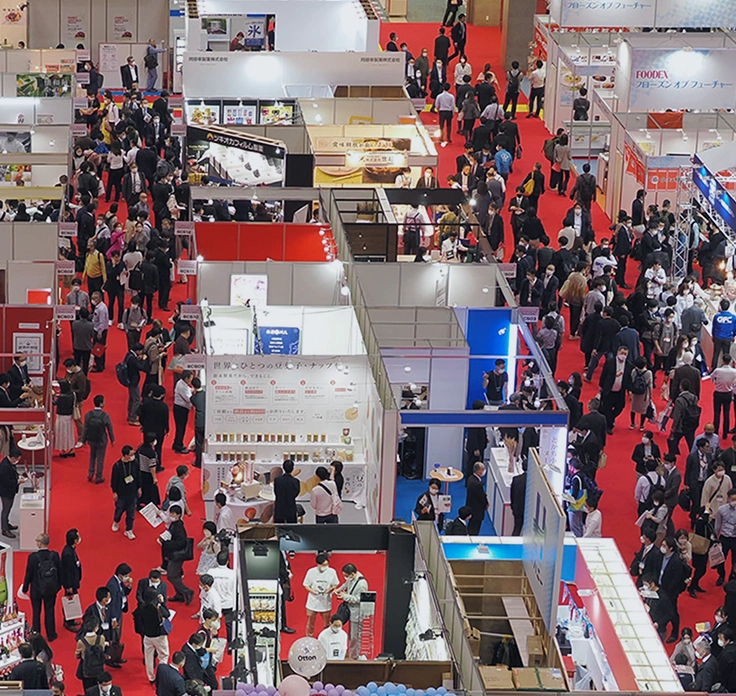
681, 79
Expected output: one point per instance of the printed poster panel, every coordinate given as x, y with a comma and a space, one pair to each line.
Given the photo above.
255, 31
239, 114
43, 85
279, 340
249, 289
122, 27
665, 79
76, 26
109, 58
27, 344
604, 13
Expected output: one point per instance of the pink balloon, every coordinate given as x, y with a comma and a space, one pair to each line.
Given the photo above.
294, 685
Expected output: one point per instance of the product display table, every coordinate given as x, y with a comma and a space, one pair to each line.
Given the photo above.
260, 508
447, 475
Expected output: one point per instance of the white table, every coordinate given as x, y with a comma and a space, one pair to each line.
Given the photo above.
32, 509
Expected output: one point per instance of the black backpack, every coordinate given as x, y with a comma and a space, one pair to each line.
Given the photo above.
93, 659
513, 82
121, 372
653, 486
639, 384
48, 575
150, 61
94, 428
691, 415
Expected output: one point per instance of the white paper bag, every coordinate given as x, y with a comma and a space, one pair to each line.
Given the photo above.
72, 607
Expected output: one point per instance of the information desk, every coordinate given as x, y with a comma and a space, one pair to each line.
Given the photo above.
498, 487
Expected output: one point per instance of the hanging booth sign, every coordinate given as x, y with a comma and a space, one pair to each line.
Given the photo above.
186, 267
279, 340
190, 312
233, 158
183, 228
716, 193
65, 268
67, 229
65, 312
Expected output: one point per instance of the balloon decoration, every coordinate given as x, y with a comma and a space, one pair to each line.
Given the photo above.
296, 685
307, 657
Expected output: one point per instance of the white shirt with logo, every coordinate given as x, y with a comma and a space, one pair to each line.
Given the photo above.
320, 582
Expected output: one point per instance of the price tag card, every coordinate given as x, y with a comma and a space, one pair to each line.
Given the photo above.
185, 267
183, 229
65, 312
67, 229
190, 313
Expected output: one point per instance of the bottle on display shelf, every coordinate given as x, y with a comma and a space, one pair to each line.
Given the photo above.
3, 581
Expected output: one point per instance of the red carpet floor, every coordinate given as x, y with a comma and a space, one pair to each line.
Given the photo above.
619, 478
76, 503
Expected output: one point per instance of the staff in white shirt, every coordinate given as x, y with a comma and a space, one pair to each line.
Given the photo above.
334, 640
593, 521
224, 517
225, 581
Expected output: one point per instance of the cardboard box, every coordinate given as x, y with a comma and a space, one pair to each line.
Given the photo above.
535, 648
551, 679
526, 678
496, 678
474, 640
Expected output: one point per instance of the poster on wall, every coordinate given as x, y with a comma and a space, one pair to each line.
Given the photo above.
249, 290
239, 114
15, 175
216, 27
28, 344
234, 158
13, 142
43, 85
122, 27
277, 113
277, 340
255, 31
683, 79
369, 160
77, 26
203, 114
109, 58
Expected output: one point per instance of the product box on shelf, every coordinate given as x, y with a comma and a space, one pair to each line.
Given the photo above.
535, 648
525, 678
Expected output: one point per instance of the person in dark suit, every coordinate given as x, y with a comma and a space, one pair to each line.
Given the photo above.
130, 74
98, 613
697, 469
193, 650
5, 400
441, 47
672, 484
648, 559
29, 670
169, 681
154, 418
120, 585
673, 576
104, 687
465, 158
530, 292
428, 180
551, 285
9, 486
644, 450
42, 582
658, 603
160, 106
285, 576
424, 508
706, 674
459, 34
595, 421
18, 376
727, 659
614, 384
476, 498
459, 526
154, 582
518, 499
286, 490
71, 569
173, 551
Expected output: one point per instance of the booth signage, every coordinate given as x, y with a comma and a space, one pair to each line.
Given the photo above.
83, 55
186, 267
190, 313
529, 314
279, 340
178, 129
716, 194
183, 229
79, 103
255, 30
65, 268
82, 78
681, 79
68, 229
79, 130
508, 270
65, 312
195, 361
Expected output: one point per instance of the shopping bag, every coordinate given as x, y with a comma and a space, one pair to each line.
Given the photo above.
700, 544
98, 349
602, 460
715, 555
72, 607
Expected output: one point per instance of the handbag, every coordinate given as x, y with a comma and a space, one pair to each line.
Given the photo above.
519, 153
115, 649
683, 499
166, 624
187, 553
72, 607
700, 544
715, 555
529, 186
336, 502
98, 349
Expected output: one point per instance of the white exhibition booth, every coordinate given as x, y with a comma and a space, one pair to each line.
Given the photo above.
652, 13
275, 75
301, 389
308, 25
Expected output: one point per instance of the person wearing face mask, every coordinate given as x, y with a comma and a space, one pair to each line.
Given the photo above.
615, 381
421, 65
319, 582
685, 417
715, 489
437, 80
725, 531
194, 651
71, 570
727, 659
648, 560
664, 335
349, 592
334, 640
697, 466
18, 376
706, 673
673, 577
657, 602
120, 586
685, 648
646, 450
104, 687
153, 581
148, 619
672, 483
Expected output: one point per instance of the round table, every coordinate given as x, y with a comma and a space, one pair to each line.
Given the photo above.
32, 445
447, 475
255, 509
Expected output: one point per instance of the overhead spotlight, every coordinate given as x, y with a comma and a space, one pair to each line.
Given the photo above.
344, 290
485, 289
289, 365
200, 258
321, 232
407, 368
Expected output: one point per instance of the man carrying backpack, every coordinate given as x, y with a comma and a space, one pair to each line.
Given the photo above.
42, 582
97, 427
585, 188
647, 485
128, 373
685, 418
151, 62
513, 87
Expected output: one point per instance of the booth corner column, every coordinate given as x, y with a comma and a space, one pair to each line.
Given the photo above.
517, 30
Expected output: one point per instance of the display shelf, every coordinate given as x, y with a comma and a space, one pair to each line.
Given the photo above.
638, 637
